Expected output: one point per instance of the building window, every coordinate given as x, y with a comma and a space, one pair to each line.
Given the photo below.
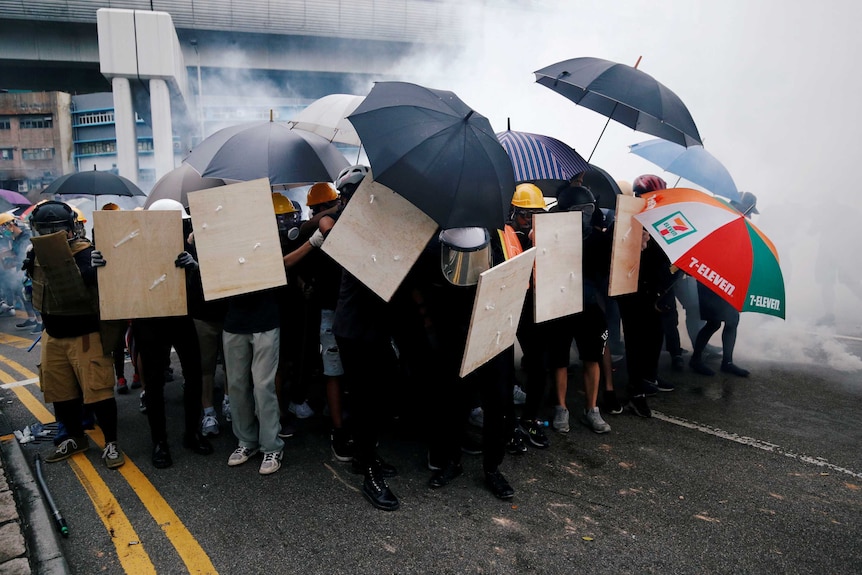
6, 154
37, 153
145, 145
89, 148
5, 124
106, 117
37, 122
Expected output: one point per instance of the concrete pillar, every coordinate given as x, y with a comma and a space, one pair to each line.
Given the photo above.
163, 137
124, 123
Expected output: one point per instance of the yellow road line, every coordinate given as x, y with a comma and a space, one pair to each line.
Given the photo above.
133, 557
16, 341
190, 551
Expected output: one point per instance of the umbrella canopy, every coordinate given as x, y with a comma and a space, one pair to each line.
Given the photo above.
93, 183
14, 198
435, 151
327, 117
693, 163
177, 183
623, 94
7, 206
267, 150
714, 243
537, 157
603, 186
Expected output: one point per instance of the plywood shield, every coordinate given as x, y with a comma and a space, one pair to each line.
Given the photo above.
236, 237
379, 237
626, 255
140, 278
558, 276
497, 309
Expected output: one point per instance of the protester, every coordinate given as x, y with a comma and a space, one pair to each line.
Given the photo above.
76, 361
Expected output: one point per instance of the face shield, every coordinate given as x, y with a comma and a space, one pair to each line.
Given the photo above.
464, 254
48, 228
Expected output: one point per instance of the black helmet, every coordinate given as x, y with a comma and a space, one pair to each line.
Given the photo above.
572, 196
52, 216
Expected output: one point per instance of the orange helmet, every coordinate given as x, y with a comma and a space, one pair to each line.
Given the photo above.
320, 193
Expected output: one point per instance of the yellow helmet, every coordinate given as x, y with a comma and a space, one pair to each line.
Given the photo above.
528, 196
320, 193
282, 205
5, 218
79, 214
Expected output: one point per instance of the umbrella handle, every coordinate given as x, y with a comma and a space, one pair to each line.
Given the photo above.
603, 133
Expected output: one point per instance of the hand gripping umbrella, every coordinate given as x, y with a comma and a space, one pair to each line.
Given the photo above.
440, 155
623, 94
267, 150
711, 241
693, 163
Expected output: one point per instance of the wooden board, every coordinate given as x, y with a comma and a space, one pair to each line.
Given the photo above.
497, 309
558, 276
379, 237
236, 237
140, 278
626, 254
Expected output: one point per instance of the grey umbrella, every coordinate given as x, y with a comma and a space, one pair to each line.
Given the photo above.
623, 94
177, 183
267, 150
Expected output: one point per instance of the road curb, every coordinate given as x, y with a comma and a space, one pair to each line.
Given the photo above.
46, 555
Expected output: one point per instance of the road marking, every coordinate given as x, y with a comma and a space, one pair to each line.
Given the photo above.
188, 548
19, 383
750, 441
15, 341
133, 557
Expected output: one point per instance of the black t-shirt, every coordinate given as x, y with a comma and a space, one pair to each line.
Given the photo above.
253, 312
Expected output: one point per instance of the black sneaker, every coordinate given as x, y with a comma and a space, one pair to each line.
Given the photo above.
734, 369
697, 365
498, 485
517, 443
471, 447
68, 447
342, 446
639, 405
611, 403
27, 324
446, 475
648, 388
663, 385
162, 455
535, 434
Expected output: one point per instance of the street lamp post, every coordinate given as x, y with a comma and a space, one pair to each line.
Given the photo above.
194, 44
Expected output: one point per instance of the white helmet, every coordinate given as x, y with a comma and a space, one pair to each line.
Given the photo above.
350, 175
169, 204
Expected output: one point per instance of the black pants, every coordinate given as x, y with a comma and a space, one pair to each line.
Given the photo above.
643, 333
153, 340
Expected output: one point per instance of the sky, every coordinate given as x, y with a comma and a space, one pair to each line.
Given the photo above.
772, 85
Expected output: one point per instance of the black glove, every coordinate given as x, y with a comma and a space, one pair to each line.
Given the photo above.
96, 259
187, 261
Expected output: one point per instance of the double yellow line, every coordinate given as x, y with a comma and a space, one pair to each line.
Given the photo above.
130, 549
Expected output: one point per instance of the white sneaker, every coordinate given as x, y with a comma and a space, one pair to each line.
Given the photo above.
225, 409
594, 421
561, 419
209, 425
520, 396
300, 410
477, 417
240, 455
271, 462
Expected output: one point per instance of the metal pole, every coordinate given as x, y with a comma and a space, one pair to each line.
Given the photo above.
55, 511
194, 44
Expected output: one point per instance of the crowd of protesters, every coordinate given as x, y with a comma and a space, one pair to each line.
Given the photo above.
361, 349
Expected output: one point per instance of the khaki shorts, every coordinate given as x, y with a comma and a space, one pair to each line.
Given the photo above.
72, 366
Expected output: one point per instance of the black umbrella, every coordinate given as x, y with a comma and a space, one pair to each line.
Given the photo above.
624, 94
177, 183
603, 186
432, 149
267, 150
93, 183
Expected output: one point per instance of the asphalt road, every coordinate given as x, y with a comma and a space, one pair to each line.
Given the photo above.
731, 476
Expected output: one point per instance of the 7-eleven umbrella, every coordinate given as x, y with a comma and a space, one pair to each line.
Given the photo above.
711, 241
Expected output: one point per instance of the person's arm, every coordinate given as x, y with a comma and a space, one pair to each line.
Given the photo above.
315, 241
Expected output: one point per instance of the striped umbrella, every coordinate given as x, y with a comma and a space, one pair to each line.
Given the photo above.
537, 157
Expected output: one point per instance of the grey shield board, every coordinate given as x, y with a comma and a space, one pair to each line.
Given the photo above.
236, 236
558, 276
140, 278
626, 254
379, 237
496, 310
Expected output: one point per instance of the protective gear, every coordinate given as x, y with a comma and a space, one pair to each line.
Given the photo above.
187, 261
5, 218
579, 199
60, 290
79, 215
80, 220
168, 204
52, 216
320, 193
111, 207
316, 239
97, 260
528, 196
464, 254
350, 175
282, 205
287, 216
648, 183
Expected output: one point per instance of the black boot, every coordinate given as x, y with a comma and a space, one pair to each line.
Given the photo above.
162, 455
387, 469
376, 491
